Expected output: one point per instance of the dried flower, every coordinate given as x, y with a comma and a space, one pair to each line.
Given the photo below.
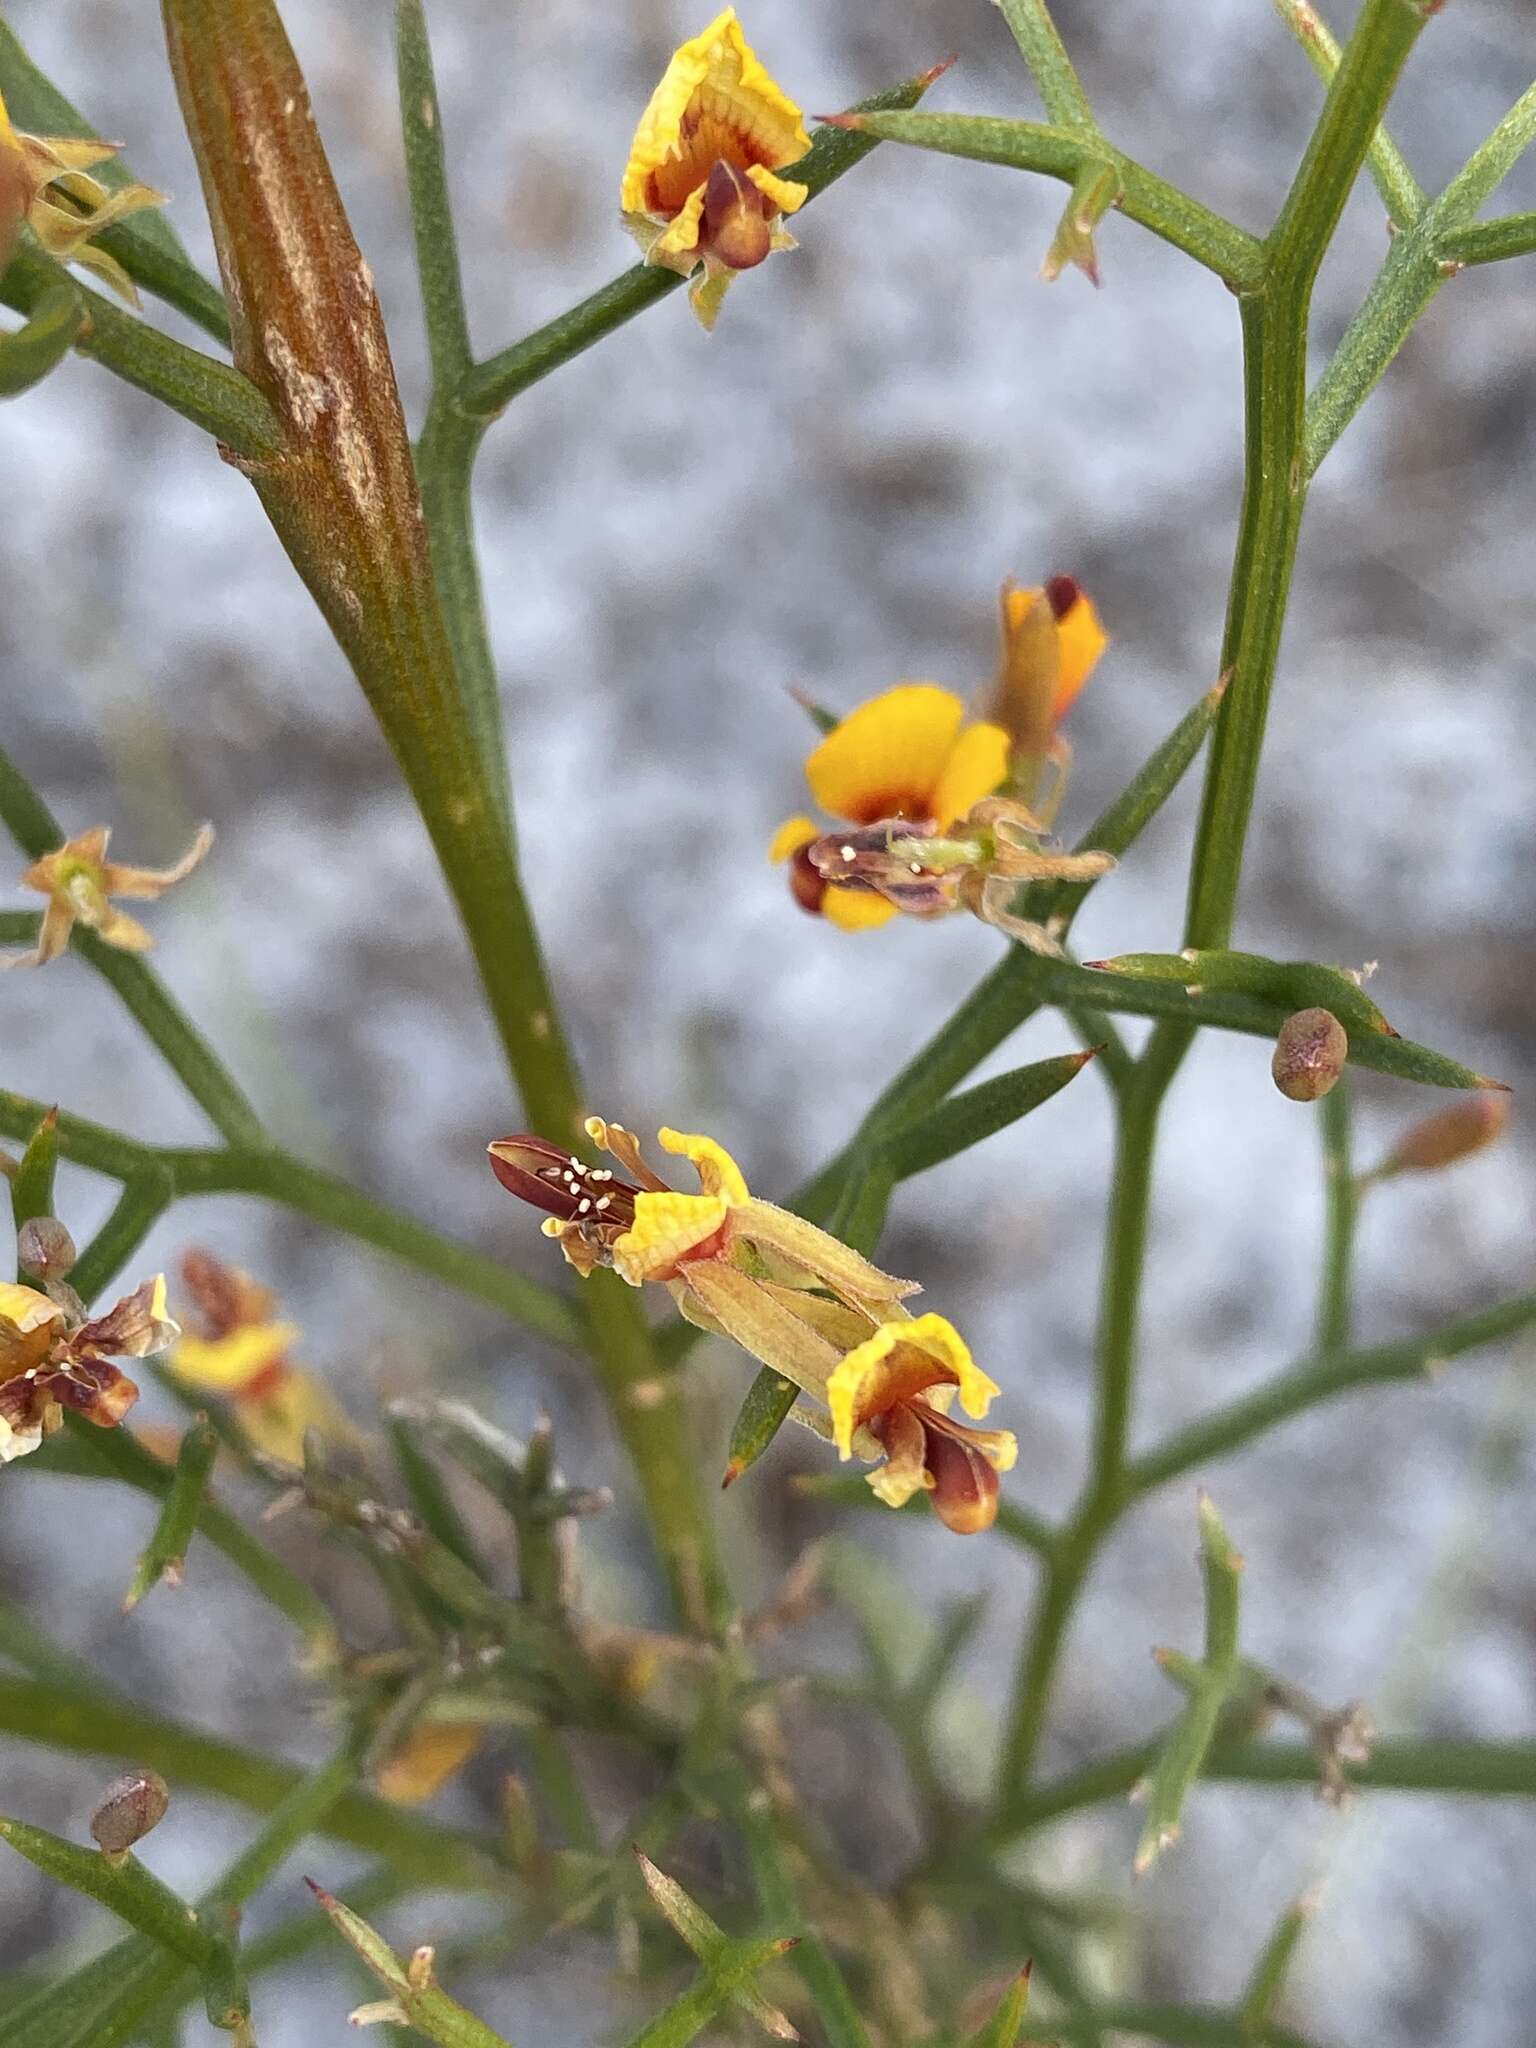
700, 193
44, 182
241, 1351
53, 1357
1311, 1051
79, 882
791, 1295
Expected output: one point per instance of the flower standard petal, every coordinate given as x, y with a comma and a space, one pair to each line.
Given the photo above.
1081, 639
977, 765
885, 759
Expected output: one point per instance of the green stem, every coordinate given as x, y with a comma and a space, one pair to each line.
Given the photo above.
105, 1725
492, 385
138, 1209
1061, 152
1275, 324
118, 1454
1316, 1380
1419, 263
1042, 49
277, 1176
445, 452
1489, 241
1401, 193
1341, 1193
208, 393
1185, 2026
1488, 1770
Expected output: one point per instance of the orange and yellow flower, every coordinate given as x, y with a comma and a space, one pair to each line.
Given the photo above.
241, 1352
51, 1360
701, 192
80, 882
45, 183
790, 1294
906, 754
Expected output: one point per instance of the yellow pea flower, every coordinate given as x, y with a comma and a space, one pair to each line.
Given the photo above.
700, 192
1052, 639
791, 1295
80, 882
45, 182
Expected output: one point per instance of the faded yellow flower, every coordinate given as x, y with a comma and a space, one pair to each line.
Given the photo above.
80, 882
241, 1352
700, 192
52, 1359
45, 183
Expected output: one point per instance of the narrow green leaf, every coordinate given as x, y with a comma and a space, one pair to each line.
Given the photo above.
709, 1942
103, 2004
688, 2016
41, 343
32, 1189
758, 1421
429, 1494
1178, 1762
1297, 984
979, 1113
1273, 1966
126, 1888
420, 2002
165, 1554
1002, 2029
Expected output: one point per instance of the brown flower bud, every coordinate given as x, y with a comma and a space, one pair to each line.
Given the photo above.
1466, 1126
1310, 1053
44, 1248
134, 1804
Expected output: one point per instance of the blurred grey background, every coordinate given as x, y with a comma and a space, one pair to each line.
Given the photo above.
827, 494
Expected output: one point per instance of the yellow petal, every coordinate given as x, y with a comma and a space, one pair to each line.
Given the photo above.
276, 1422
717, 1170
677, 246
791, 836
855, 910
148, 883
886, 758
665, 1229
786, 195
977, 765
734, 92
117, 928
898, 1363
706, 295
1082, 639
28, 1323
227, 1365
430, 1755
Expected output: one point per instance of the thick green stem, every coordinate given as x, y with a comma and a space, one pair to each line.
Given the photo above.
1490, 241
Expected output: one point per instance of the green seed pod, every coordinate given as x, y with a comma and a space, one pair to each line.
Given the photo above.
134, 1803
1310, 1053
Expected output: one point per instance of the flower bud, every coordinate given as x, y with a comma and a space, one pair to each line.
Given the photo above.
1310, 1054
1466, 1126
134, 1803
44, 1248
